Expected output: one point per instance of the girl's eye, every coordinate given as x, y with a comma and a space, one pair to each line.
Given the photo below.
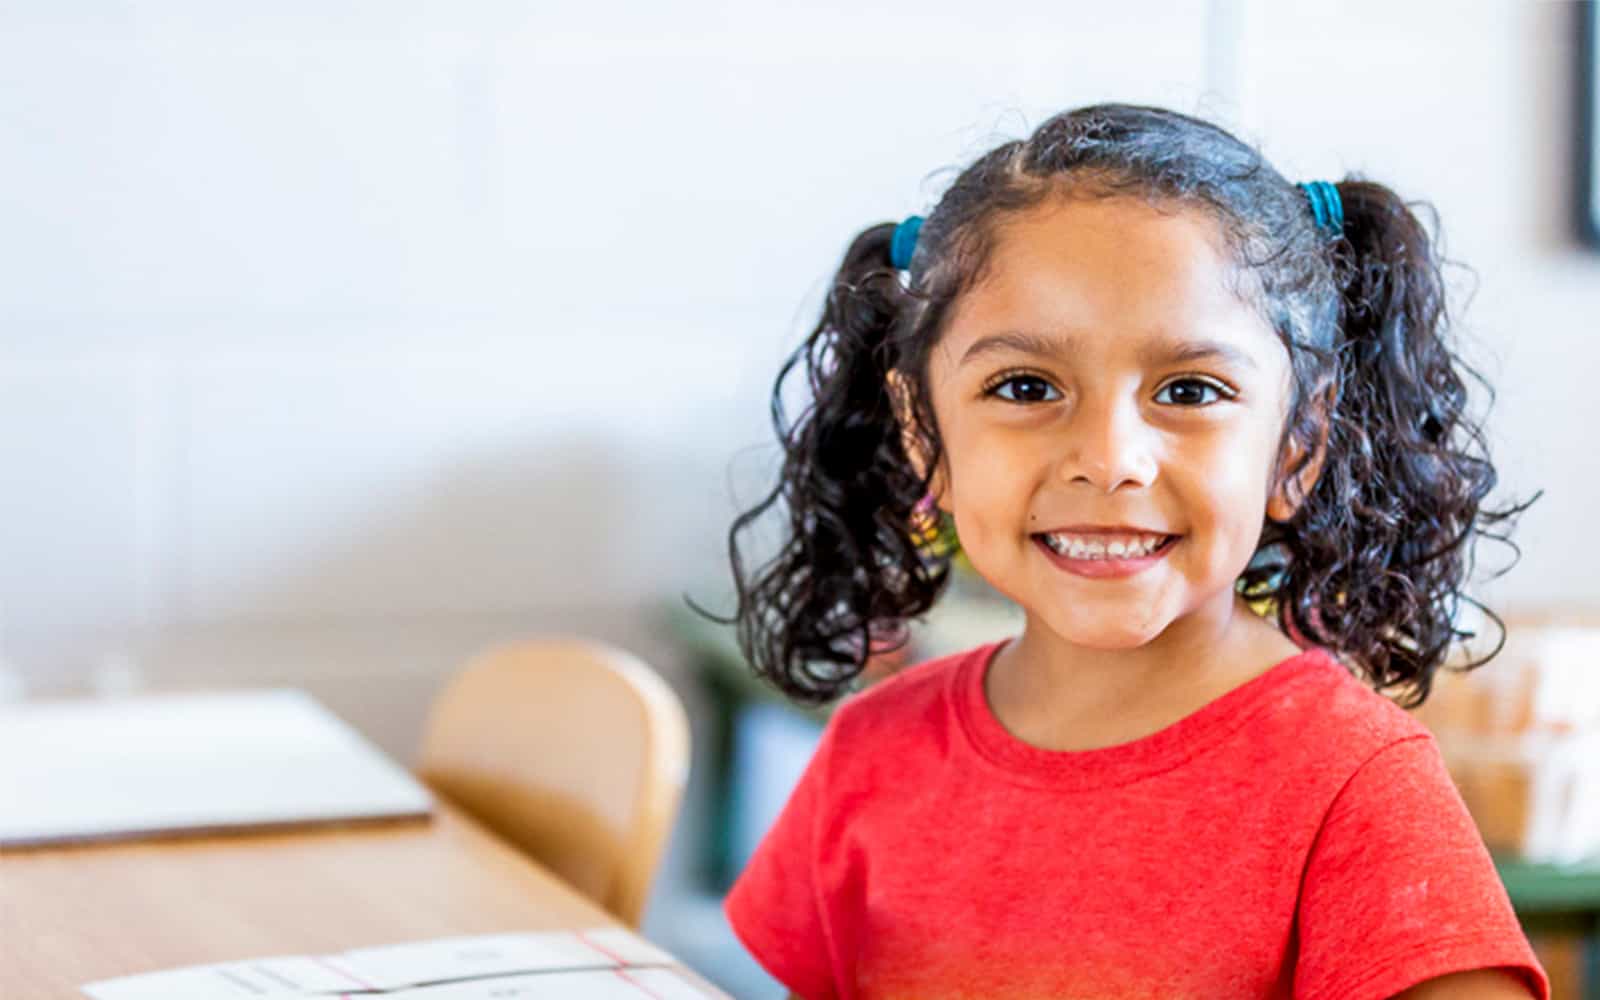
1025, 389
1191, 392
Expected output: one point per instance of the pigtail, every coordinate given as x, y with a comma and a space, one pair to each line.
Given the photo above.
1382, 546
851, 569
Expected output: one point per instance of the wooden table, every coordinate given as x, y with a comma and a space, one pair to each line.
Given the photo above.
74, 915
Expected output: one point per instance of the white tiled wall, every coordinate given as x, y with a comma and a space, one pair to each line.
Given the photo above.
70, 518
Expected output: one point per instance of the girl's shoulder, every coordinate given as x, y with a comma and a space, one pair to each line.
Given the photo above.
1331, 704
917, 693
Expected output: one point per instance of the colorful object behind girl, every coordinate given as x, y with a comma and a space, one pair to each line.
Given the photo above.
1151, 384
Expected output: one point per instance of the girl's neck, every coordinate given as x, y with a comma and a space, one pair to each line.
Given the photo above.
1059, 696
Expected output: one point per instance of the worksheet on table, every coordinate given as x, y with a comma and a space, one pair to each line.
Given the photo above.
597, 984
473, 963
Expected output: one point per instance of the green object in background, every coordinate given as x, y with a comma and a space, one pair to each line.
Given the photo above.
730, 686
1551, 889
1559, 900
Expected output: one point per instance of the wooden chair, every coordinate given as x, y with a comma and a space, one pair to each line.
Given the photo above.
573, 751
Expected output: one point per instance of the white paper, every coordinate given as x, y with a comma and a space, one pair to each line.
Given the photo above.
626, 947
286, 976
667, 984
594, 984
88, 770
447, 959
471, 965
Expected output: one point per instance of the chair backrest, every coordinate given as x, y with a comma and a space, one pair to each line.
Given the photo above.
574, 751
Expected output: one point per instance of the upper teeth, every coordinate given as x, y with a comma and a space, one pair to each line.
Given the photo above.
1103, 546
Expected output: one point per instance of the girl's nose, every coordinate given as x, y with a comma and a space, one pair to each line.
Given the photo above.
1107, 445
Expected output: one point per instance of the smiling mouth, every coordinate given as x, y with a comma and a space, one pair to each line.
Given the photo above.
1106, 548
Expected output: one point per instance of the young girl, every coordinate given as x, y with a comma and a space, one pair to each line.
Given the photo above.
1144, 377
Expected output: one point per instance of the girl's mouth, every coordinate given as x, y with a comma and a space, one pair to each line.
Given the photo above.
1104, 555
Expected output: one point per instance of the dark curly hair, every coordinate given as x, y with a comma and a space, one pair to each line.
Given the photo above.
1371, 565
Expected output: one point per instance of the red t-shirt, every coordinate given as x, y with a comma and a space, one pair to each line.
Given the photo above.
1296, 837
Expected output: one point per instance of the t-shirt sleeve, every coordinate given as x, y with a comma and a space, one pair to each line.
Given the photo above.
775, 906
1399, 888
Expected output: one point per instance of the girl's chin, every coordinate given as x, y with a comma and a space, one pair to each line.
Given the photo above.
1101, 635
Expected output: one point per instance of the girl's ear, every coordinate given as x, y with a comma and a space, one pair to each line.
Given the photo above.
902, 394
1291, 490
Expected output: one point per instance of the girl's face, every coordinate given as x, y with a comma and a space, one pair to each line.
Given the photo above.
1111, 413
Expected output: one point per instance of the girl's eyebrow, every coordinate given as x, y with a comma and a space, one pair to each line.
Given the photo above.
1153, 354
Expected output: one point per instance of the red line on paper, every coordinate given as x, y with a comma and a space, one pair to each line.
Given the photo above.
343, 972
636, 984
602, 949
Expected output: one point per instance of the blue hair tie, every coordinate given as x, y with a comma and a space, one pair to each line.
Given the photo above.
1326, 206
904, 243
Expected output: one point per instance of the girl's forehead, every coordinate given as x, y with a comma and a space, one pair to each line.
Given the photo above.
1111, 271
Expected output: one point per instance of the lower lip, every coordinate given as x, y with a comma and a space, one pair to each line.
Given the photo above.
1103, 569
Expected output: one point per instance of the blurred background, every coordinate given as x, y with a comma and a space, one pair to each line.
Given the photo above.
339, 340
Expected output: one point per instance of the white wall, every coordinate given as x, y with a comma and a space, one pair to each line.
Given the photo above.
1473, 107
338, 339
